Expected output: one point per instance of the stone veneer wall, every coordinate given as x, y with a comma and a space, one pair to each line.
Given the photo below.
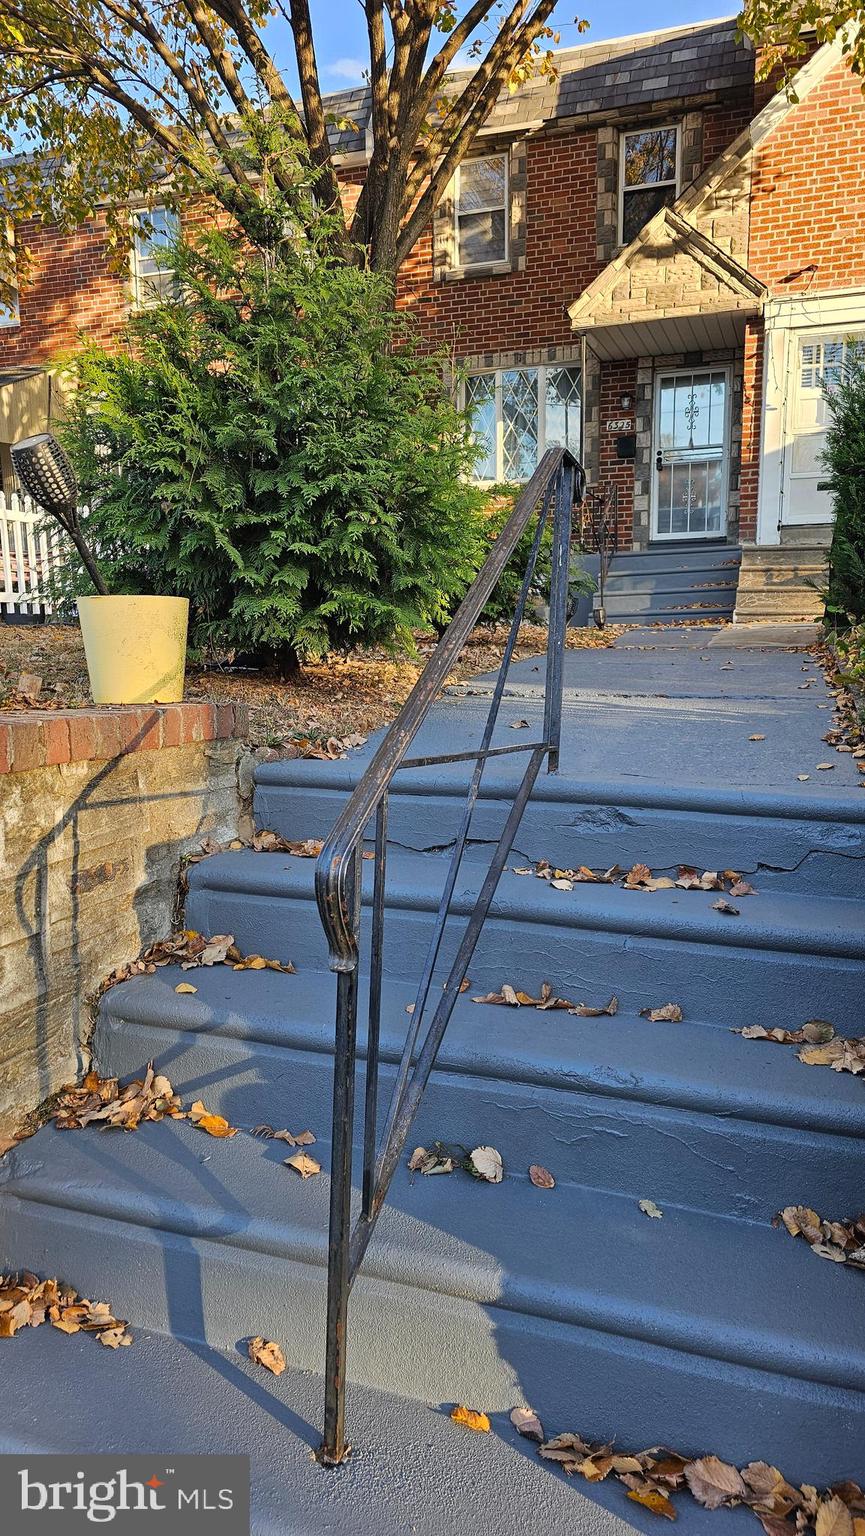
97, 809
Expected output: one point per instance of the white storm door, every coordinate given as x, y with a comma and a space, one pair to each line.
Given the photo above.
690, 470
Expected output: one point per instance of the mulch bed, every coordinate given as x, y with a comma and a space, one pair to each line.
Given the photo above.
43, 667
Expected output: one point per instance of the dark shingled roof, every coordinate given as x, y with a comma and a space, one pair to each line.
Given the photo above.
622, 74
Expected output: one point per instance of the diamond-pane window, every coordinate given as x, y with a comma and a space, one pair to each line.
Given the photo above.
517, 413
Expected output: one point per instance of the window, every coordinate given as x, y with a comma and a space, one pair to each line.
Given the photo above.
9, 305
517, 413
649, 177
481, 211
825, 362
155, 230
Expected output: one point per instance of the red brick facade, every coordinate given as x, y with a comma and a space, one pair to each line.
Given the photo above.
510, 311
808, 193
807, 216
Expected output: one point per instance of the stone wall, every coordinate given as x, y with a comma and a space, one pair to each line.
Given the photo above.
97, 809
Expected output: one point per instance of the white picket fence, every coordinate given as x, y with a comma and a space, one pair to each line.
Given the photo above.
27, 555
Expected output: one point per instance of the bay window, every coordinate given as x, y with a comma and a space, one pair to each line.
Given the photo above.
517, 413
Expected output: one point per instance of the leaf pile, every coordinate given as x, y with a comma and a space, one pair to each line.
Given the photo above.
821, 1047
190, 949
102, 1100
654, 1476
547, 1002
484, 1163
843, 1242
26, 1302
640, 878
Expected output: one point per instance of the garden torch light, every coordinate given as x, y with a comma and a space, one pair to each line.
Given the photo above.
45, 471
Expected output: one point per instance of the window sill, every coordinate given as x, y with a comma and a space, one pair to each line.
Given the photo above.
478, 269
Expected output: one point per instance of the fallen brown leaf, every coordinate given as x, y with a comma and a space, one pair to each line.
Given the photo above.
303, 1164
470, 1418
714, 1482
667, 1013
653, 1499
214, 1125
185, 988
721, 905
265, 1352
541, 1177
486, 1164
586, 1011
526, 1422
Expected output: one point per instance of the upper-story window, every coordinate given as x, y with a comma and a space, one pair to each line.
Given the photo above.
649, 177
481, 211
9, 305
155, 230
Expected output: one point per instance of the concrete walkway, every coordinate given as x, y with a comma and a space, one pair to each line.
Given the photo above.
675, 710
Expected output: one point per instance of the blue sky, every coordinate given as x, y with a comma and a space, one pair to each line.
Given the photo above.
341, 37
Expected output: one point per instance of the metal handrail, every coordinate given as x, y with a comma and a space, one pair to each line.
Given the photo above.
551, 493
602, 506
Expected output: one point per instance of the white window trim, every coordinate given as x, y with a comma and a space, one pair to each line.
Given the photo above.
646, 186
505, 208
140, 299
540, 370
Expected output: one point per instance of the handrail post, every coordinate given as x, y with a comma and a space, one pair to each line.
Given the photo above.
333, 1449
559, 578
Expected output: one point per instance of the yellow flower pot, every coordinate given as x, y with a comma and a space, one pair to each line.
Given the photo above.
135, 648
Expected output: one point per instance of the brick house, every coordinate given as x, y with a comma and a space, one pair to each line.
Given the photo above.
652, 257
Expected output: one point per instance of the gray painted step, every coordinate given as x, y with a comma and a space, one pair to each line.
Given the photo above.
605, 1098
678, 557
220, 1241
413, 1471
595, 938
668, 586
698, 583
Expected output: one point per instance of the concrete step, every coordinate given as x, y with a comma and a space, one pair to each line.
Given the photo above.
597, 938
789, 605
605, 1098
693, 583
413, 1470
430, 1479
807, 535
802, 840
594, 1309
628, 611
676, 558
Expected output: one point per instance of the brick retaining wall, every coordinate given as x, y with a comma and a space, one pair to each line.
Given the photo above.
97, 809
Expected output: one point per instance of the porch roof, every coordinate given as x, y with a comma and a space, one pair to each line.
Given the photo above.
671, 290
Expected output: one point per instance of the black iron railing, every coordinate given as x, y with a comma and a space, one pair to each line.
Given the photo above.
550, 496
601, 525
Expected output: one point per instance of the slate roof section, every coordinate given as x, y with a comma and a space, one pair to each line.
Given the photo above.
620, 75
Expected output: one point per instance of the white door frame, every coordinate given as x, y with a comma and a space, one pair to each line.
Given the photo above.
787, 320
671, 373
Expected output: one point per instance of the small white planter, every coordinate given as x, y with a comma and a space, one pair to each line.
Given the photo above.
135, 648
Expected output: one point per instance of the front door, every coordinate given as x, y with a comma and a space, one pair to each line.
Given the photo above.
691, 458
